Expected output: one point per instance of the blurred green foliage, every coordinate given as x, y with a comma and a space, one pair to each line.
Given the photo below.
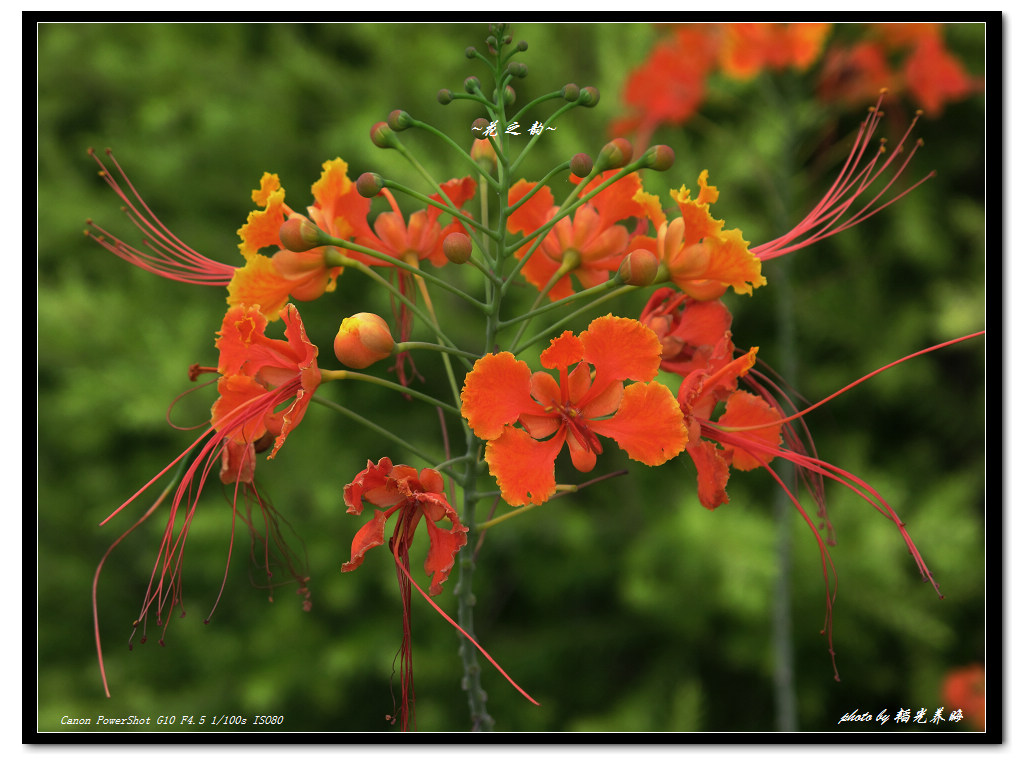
625, 607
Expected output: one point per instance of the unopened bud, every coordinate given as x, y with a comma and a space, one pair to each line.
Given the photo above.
369, 185
457, 247
483, 154
470, 52
444, 96
480, 124
299, 234
639, 268
571, 92
614, 154
589, 96
362, 340
581, 165
518, 69
510, 95
522, 45
659, 157
472, 84
399, 120
383, 136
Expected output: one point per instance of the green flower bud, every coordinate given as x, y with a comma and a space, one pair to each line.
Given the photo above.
571, 92
659, 157
589, 96
383, 136
444, 96
369, 185
522, 45
510, 95
472, 84
581, 165
470, 52
614, 154
518, 69
399, 120
480, 124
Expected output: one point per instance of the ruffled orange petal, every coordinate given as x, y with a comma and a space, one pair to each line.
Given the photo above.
370, 535
535, 211
496, 391
370, 482
712, 473
444, 544
706, 270
562, 352
620, 349
236, 392
648, 425
744, 409
262, 227
524, 468
259, 283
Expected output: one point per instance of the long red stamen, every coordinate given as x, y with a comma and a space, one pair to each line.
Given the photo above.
461, 630
168, 256
826, 217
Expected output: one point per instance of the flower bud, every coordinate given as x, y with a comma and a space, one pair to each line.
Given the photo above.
518, 69
369, 185
522, 45
614, 154
399, 120
362, 340
581, 165
589, 96
472, 84
480, 124
639, 268
659, 157
299, 234
444, 96
383, 136
509, 95
457, 247
470, 52
571, 92
483, 154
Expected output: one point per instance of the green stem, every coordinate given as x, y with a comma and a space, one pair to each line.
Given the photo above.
367, 423
546, 333
353, 375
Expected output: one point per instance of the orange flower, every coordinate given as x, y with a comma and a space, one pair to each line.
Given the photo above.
698, 256
935, 77
338, 210
258, 375
748, 48
414, 497
642, 417
590, 246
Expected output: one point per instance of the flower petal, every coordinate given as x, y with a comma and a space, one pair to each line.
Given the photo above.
444, 544
524, 468
370, 535
746, 409
648, 425
712, 473
496, 391
620, 349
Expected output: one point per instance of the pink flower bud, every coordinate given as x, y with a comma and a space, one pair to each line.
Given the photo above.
614, 154
382, 136
299, 234
660, 157
362, 340
457, 247
399, 119
581, 165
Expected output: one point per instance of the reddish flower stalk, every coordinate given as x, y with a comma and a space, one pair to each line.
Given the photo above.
827, 217
168, 256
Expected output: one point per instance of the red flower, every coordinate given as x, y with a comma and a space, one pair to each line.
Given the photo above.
642, 418
413, 496
688, 329
964, 689
590, 245
259, 376
748, 48
168, 256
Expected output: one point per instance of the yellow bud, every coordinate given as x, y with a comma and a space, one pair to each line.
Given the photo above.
362, 340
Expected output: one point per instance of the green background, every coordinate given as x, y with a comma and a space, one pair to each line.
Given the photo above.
625, 607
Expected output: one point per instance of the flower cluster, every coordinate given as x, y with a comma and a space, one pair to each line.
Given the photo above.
666, 381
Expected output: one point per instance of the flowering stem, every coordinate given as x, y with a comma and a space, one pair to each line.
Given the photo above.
608, 295
411, 345
451, 142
